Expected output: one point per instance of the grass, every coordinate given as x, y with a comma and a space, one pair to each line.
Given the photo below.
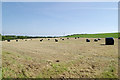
110, 72
102, 35
7, 53
54, 70
8, 72
59, 68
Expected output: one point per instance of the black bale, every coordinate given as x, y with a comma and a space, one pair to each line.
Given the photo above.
109, 41
95, 40
56, 40
16, 40
75, 38
8, 40
78, 37
119, 38
41, 40
87, 40
99, 39
62, 39
57, 60
48, 39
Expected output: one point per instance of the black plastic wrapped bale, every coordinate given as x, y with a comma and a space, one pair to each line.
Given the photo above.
41, 40
57, 60
99, 39
75, 38
56, 40
109, 41
95, 40
8, 40
87, 40
119, 38
16, 40
78, 37
62, 39
48, 39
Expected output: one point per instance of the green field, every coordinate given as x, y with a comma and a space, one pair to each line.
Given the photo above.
102, 35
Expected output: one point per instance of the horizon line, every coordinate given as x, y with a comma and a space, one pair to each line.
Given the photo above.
56, 35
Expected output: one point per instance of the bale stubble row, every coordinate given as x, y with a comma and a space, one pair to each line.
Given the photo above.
108, 41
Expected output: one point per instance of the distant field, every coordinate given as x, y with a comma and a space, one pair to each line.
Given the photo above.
102, 35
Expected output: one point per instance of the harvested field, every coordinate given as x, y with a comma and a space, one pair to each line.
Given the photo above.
71, 58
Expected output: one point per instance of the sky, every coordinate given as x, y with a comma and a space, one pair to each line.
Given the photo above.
59, 18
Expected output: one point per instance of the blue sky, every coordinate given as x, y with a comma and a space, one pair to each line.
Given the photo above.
59, 18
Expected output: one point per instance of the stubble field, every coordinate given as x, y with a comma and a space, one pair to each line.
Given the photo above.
69, 58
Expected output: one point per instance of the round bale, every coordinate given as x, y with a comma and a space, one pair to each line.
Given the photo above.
56, 40
87, 40
95, 40
109, 41
41, 40
16, 40
8, 40
99, 39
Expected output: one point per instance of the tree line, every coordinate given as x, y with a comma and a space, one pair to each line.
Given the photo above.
12, 37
